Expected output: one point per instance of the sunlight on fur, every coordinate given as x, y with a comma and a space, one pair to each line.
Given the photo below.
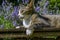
25, 23
30, 17
25, 13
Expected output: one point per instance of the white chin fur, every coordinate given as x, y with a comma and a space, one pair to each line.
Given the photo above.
26, 25
20, 14
28, 32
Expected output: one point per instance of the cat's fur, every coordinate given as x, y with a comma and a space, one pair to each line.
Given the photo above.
55, 20
30, 17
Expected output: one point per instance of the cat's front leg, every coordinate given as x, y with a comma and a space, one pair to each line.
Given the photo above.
29, 32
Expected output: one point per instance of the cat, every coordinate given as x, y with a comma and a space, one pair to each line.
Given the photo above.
30, 18
55, 20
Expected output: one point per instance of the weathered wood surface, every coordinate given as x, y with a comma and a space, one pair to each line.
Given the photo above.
16, 33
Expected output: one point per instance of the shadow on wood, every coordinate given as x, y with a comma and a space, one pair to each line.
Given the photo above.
20, 33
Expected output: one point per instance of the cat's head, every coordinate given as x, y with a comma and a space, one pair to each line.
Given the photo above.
27, 10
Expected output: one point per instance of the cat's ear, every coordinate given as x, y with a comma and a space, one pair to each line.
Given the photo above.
31, 4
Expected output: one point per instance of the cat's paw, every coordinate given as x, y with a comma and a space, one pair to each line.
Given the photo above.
17, 27
29, 31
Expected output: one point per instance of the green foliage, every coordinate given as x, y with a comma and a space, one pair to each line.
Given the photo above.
58, 5
7, 24
58, 1
1, 20
52, 1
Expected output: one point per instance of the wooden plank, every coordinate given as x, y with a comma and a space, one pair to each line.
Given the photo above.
13, 33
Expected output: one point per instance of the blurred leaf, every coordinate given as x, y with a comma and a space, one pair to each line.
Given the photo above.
58, 1
52, 1
58, 5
